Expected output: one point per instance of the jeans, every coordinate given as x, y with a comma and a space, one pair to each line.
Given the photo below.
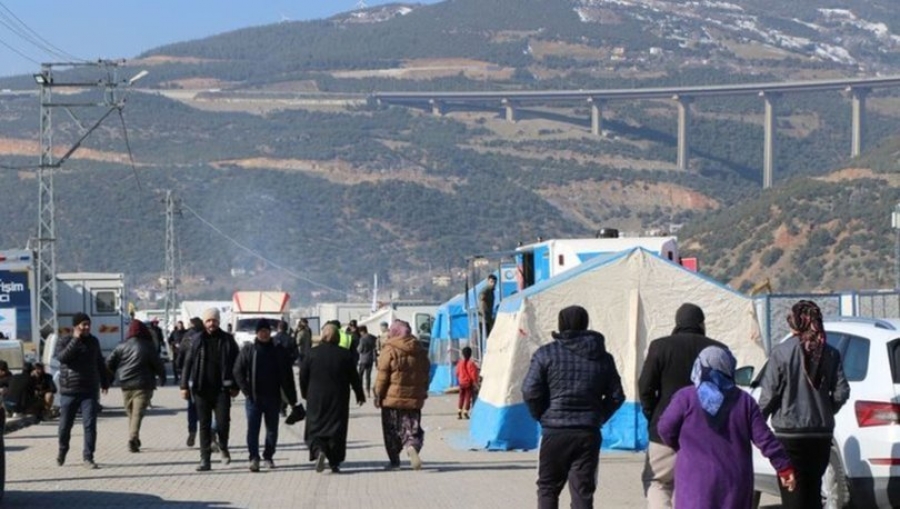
256, 412
571, 455
221, 406
68, 407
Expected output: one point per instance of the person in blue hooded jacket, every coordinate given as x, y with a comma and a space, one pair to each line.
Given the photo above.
572, 388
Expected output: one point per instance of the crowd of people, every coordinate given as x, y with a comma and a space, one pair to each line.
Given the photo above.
211, 369
701, 425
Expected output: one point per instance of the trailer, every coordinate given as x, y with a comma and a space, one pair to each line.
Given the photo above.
249, 307
100, 295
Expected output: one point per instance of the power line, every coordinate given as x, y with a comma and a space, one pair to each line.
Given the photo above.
16, 51
15, 24
255, 253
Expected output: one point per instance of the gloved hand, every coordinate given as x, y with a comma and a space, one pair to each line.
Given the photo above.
298, 413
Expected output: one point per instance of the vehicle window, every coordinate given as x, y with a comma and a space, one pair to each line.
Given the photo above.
105, 302
894, 357
856, 358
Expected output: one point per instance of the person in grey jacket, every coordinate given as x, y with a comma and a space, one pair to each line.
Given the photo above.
802, 388
82, 376
572, 388
137, 365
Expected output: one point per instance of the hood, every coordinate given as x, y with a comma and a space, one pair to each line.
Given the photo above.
406, 344
584, 343
689, 318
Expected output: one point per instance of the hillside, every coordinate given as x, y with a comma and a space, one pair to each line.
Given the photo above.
265, 135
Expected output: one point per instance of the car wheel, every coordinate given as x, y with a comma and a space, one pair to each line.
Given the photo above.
835, 490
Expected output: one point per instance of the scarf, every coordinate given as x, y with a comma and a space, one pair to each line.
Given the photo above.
713, 376
805, 321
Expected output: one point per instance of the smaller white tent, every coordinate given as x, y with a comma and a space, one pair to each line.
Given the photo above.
631, 298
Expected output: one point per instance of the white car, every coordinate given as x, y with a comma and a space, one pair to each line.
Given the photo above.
864, 470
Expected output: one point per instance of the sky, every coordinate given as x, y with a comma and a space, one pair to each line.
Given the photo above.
113, 29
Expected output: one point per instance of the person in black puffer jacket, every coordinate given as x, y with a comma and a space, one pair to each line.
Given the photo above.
137, 364
82, 376
572, 388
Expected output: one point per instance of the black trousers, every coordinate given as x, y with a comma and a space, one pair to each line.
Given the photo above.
568, 455
809, 456
221, 405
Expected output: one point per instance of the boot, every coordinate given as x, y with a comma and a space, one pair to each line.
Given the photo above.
192, 438
459, 414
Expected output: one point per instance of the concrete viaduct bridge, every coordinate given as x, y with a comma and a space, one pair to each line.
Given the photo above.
857, 89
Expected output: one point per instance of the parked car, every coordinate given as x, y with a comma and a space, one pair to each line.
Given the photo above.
864, 470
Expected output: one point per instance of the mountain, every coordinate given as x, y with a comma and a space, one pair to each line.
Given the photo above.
266, 137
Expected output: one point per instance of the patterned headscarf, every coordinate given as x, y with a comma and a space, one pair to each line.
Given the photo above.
805, 321
713, 376
399, 329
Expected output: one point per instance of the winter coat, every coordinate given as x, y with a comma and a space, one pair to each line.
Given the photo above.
403, 373
667, 369
246, 374
797, 407
81, 366
466, 373
367, 350
573, 382
195, 362
137, 365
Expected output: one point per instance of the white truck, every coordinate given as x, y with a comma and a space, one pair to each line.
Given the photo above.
249, 307
100, 295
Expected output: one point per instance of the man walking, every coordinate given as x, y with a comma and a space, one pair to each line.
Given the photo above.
486, 304
667, 369
208, 378
82, 376
304, 338
137, 365
572, 388
284, 340
263, 372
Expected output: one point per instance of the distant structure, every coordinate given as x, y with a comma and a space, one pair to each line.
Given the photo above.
361, 5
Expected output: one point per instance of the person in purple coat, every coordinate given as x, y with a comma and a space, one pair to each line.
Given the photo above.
711, 425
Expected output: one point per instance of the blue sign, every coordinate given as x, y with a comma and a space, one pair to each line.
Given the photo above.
15, 294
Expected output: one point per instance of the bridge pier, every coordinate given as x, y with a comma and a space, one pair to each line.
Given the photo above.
684, 118
858, 100
437, 107
769, 137
510, 110
596, 115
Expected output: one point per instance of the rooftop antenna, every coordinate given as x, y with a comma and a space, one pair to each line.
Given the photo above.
361, 5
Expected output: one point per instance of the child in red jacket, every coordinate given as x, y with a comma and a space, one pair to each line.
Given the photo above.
467, 374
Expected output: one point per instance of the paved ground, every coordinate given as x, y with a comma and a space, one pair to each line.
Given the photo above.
162, 474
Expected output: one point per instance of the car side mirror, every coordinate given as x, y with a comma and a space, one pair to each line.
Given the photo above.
743, 376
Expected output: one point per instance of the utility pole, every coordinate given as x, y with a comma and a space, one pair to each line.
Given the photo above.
112, 98
171, 274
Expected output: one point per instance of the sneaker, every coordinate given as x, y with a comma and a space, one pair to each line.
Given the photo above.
414, 461
269, 464
320, 462
465, 415
61, 458
226, 456
459, 414
192, 439
203, 467
335, 469
254, 465
133, 445
90, 465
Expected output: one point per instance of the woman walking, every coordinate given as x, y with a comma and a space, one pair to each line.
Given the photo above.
711, 425
327, 374
803, 386
400, 391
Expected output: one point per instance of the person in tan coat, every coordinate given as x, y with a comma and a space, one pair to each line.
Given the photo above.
400, 391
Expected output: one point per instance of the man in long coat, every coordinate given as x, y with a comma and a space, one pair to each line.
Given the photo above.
326, 377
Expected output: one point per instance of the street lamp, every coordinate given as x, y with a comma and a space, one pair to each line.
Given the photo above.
895, 224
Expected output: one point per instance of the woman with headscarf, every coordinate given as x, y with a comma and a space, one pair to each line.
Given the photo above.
802, 387
327, 374
711, 425
401, 387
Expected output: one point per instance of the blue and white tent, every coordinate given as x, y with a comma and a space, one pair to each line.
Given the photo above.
631, 298
449, 334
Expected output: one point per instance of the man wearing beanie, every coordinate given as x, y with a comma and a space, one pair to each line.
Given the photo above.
667, 368
264, 371
137, 364
82, 375
208, 379
572, 388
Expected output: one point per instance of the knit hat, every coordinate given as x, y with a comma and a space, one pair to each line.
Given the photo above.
263, 324
210, 314
137, 329
79, 318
